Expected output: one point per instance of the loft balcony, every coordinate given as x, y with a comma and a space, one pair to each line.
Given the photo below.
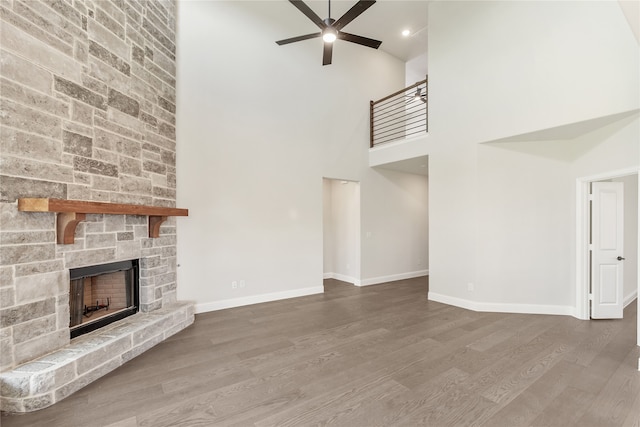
399, 129
399, 116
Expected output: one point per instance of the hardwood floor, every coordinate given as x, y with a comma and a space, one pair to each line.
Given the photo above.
373, 356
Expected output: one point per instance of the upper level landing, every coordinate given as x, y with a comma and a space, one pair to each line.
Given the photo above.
406, 155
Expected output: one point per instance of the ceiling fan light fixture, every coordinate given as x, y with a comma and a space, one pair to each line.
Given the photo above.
329, 35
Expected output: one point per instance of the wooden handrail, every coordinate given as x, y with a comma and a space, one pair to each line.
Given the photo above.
416, 84
71, 212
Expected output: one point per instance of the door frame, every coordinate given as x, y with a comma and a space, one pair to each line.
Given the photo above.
582, 238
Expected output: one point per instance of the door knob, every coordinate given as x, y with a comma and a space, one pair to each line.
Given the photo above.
620, 258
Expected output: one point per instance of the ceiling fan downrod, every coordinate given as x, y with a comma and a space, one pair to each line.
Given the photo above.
328, 20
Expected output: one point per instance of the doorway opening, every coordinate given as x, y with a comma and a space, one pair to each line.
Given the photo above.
341, 230
594, 268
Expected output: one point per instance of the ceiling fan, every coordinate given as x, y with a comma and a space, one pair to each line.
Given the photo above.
331, 29
418, 95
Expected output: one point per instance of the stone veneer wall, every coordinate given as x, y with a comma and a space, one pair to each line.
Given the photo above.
87, 109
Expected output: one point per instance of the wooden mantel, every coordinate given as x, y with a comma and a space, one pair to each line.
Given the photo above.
71, 212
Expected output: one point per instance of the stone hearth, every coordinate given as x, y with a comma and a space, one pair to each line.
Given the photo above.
51, 378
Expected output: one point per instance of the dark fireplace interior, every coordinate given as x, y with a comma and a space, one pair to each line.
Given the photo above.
102, 294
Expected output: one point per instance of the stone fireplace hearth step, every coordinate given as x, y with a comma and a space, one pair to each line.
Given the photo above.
44, 381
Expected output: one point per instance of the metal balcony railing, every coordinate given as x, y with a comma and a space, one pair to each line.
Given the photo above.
400, 115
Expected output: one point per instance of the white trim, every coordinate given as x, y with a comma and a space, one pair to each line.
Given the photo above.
395, 143
630, 298
341, 277
392, 278
612, 174
256, 299
582, 249
582, 237
560, 310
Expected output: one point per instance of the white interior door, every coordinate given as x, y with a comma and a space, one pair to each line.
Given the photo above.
607, 258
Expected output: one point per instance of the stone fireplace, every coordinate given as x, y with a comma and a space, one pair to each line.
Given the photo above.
87, 112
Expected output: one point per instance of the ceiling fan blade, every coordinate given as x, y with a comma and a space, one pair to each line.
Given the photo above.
302, 7
352, 13
365, 41
299, 38
327, 53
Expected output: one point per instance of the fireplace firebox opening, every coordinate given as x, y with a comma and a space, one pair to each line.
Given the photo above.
102, 294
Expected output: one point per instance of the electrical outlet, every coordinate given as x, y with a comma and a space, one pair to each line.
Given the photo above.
234, 284
470, 287
242, 283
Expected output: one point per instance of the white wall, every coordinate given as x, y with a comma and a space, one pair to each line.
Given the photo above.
398, 233
523, 227
327, 229
258, 126
630, 236
416, 69
502, 214
525, 66
527, 213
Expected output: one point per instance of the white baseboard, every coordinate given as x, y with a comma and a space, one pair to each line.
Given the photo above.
341, 277
376, 280
502, 308
256, 299
392, 278
630, 298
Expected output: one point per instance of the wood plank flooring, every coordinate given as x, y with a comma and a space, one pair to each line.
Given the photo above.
373, 356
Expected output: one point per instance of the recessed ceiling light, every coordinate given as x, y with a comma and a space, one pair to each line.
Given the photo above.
406, 33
